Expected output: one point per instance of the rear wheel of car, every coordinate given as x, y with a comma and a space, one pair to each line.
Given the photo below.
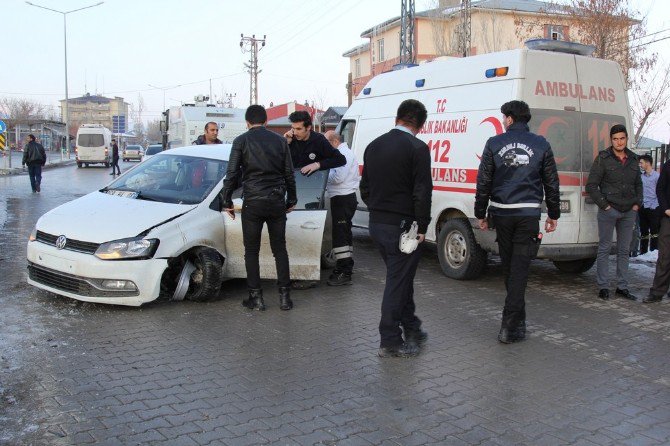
207, 276
79, 165
460, 256
575, 266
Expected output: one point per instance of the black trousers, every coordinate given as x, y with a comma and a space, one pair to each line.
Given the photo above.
115, 164
398, 301
650, 220
342, 209
255, 213
516, 238
662, 275
35, 174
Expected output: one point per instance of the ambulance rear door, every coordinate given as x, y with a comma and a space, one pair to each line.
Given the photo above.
604, 103
551, 91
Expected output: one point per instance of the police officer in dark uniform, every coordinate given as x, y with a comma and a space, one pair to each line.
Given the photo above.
310, 152
517, 168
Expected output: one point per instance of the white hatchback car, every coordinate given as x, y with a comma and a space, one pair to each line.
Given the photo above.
156, 233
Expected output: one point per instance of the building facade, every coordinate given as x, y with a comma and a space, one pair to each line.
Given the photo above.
496, 25
93, 109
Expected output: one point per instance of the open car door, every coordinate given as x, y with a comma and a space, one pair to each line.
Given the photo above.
304, 234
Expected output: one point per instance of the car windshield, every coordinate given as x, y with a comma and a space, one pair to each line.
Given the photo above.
133, 148
152, 150
170, 179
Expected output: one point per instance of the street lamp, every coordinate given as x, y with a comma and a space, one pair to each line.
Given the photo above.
67, 104
164, 90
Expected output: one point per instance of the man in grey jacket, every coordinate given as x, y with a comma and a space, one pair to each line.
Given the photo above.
615, 185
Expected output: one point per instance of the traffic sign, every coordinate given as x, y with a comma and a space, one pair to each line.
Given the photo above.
3, 126
2, 141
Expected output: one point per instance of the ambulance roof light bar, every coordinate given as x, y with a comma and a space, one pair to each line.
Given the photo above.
560, 46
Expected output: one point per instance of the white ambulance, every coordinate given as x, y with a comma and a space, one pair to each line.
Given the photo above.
574, 100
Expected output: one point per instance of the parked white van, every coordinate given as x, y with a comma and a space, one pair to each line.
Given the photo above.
574, 100
94, 144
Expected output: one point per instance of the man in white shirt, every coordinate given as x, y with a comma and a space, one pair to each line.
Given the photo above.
342, 185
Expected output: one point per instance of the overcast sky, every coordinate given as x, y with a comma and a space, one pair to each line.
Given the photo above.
122, 46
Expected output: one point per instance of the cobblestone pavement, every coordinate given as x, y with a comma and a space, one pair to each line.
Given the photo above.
590, 373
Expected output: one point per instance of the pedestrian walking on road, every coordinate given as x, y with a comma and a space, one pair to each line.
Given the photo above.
615, 185
662, 274
397, 188
516, 170
343, 182
35, 157
650, 214
115, 158
269, 193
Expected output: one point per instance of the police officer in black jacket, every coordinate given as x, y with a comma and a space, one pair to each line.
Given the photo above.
397, 188
269, 194
310, 150
517, 168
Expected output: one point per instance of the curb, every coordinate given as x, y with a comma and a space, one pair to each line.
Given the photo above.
22, 171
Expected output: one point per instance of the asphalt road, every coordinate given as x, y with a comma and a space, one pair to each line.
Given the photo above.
590, 373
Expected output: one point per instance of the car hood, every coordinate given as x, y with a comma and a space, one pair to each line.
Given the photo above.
99, 217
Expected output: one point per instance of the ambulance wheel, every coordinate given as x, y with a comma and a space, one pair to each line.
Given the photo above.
460, 256
205, 280
575, 266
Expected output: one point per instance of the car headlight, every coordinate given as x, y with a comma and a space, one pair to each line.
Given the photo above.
33, 235
128, 248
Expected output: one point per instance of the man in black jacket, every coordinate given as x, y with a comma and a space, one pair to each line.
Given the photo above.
396, 186
517, 168
310, 150
35, 157
615, 185
115, 158
211, 135
662, 275
269, 194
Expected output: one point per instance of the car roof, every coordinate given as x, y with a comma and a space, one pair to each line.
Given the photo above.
214, 151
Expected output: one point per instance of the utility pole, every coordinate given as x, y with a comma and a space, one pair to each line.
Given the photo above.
465, 41
250, 44
407, 32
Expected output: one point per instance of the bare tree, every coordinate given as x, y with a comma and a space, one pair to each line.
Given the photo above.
154, 133
610, 26
136, 111
650, 99
445, 40
22, 110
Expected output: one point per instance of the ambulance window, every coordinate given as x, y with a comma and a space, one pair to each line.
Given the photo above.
347, 131
561, 129
596, 135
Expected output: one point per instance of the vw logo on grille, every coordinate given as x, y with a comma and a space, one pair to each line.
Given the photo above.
61, 241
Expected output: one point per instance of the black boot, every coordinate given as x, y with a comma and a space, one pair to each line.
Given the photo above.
285, 302
255, 300
511, 329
